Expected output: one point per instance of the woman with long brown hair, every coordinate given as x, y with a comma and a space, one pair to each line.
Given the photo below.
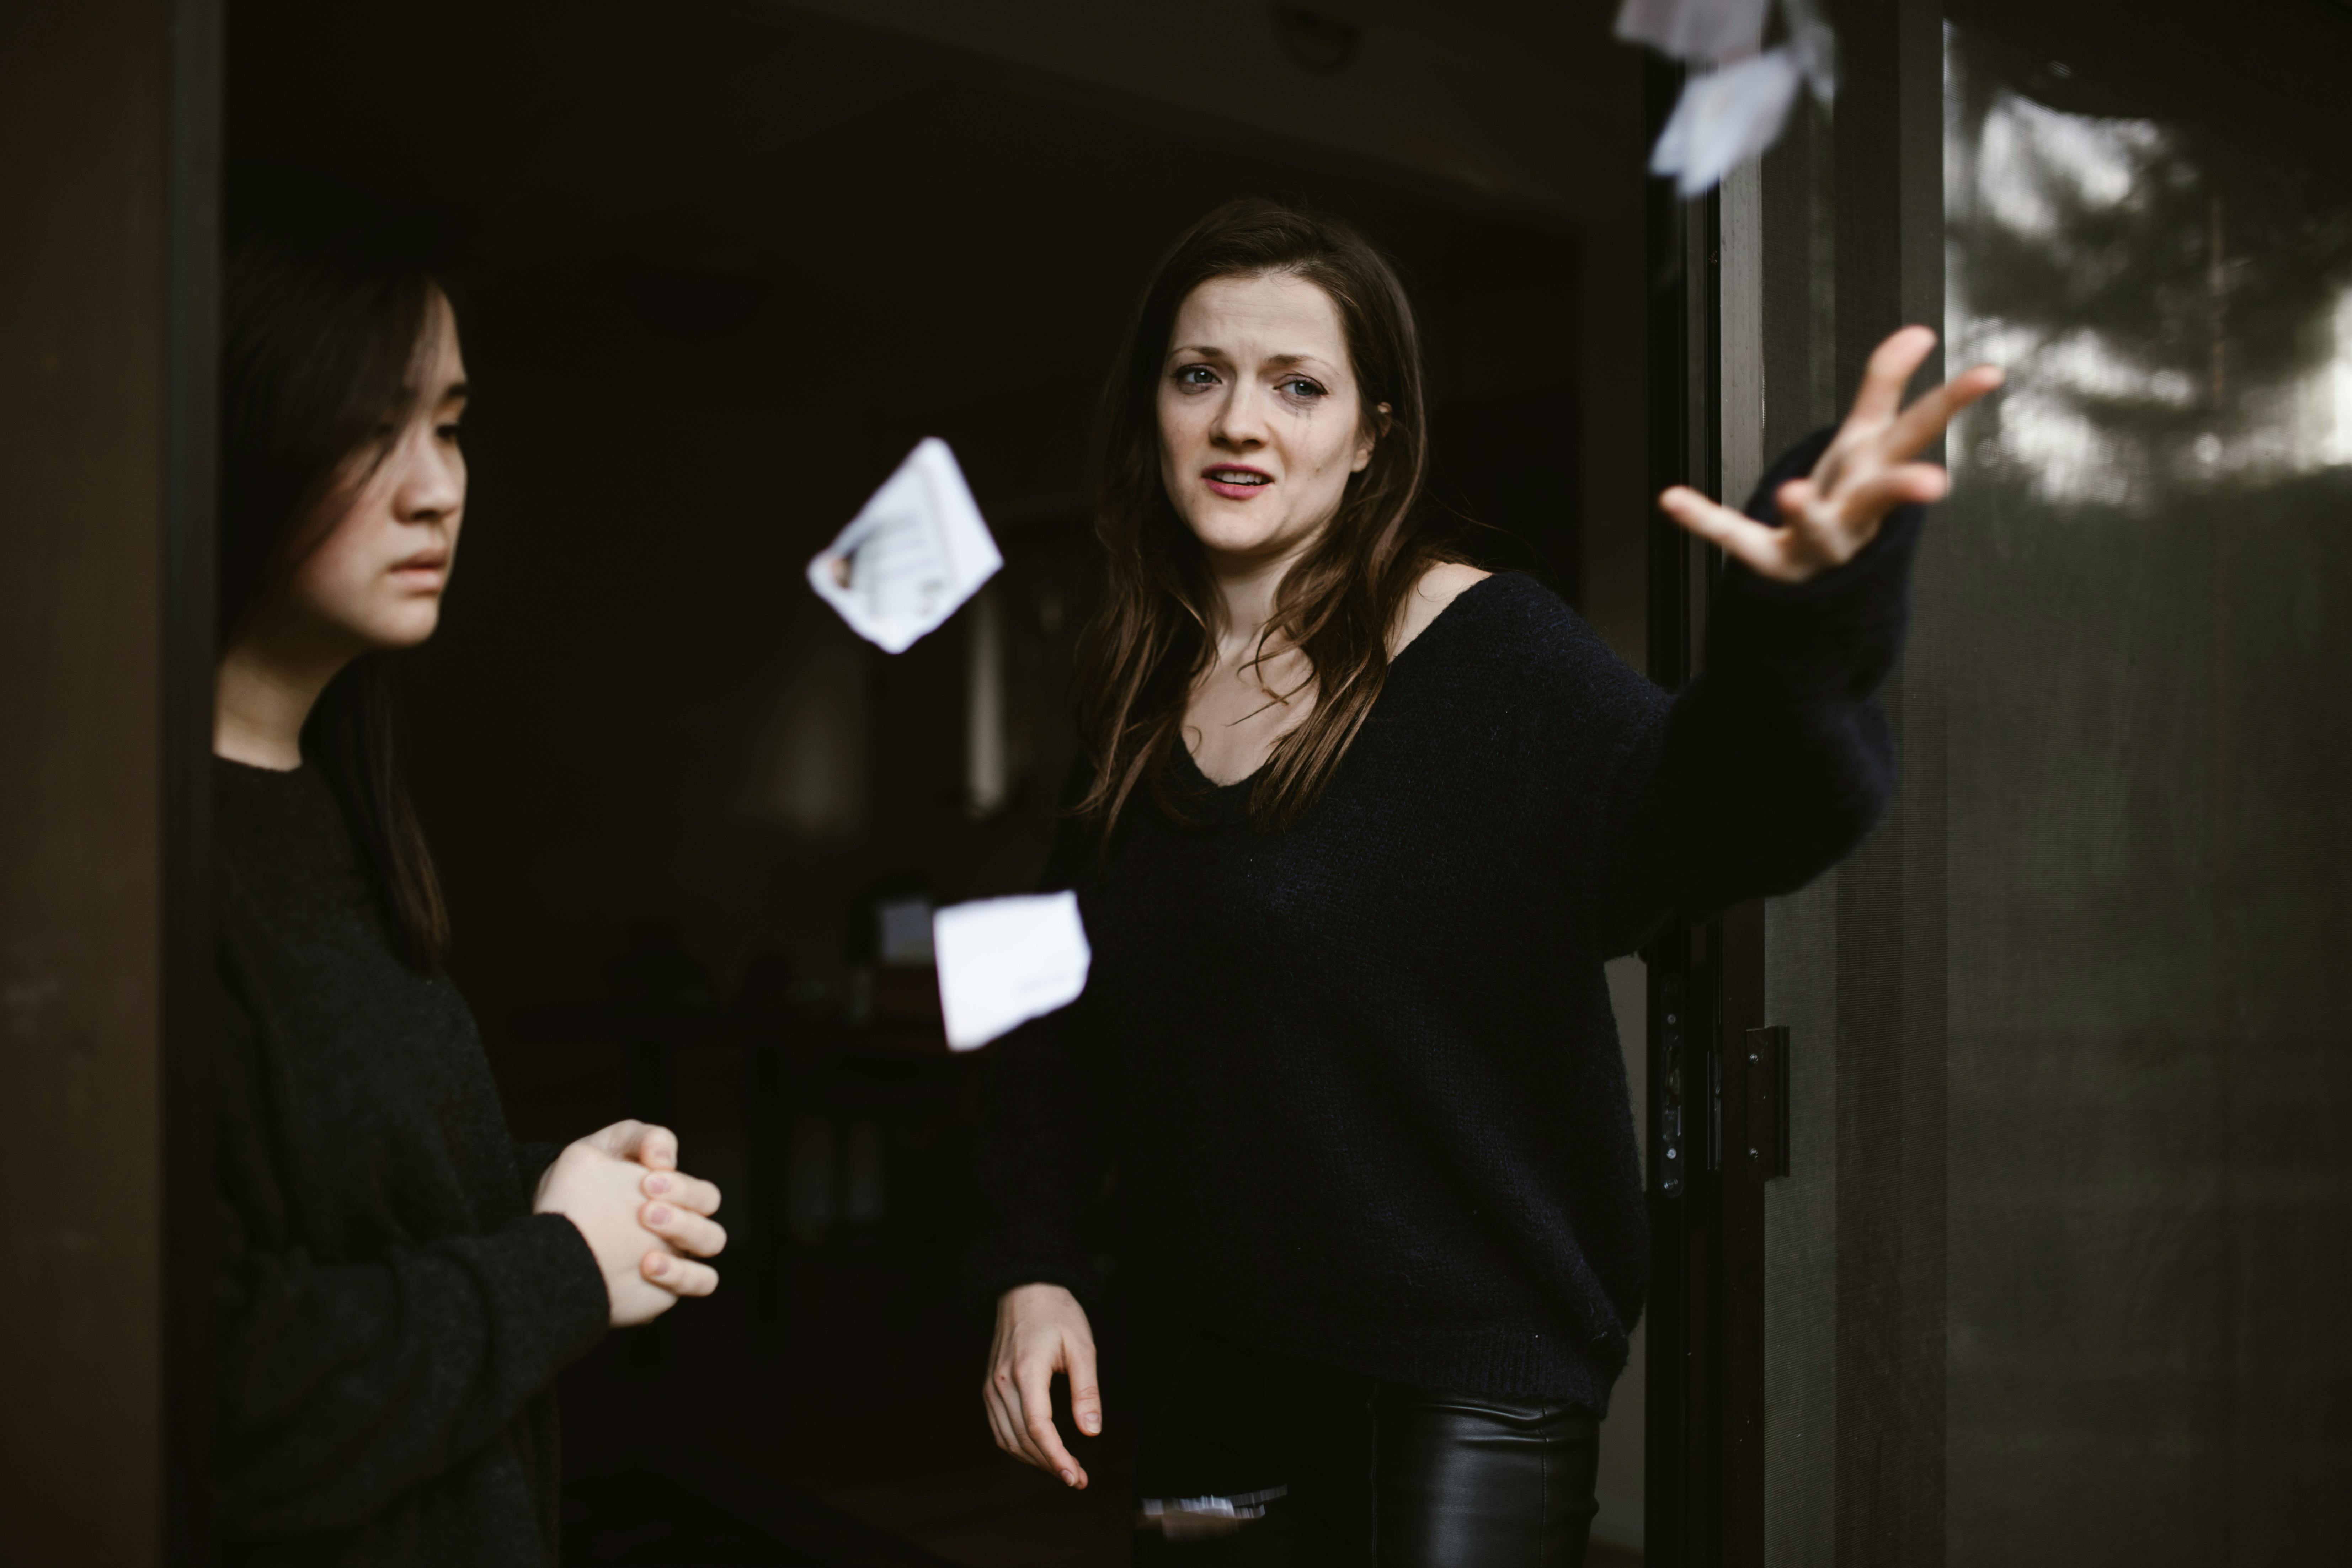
399, 1281
1356, 827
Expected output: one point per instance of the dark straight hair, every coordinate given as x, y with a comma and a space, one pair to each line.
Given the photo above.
328, 302
1153, 634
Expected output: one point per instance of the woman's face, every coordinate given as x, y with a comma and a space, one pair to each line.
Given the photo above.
375, 578
1259, 416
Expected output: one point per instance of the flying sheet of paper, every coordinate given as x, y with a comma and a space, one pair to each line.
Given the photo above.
1812, 43
911, 556
1724, 118
1004, 962
1706, 31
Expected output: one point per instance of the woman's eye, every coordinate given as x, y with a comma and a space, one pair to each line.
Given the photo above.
1298, 386
446, 432
1196, 375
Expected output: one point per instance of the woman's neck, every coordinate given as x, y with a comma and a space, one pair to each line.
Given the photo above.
1246, 592
262, 696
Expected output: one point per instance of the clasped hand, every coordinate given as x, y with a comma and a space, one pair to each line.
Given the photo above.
647, 1221
1866, 472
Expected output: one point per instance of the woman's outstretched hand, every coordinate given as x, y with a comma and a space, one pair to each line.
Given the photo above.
645, 1221
1041, 1329
1866, 472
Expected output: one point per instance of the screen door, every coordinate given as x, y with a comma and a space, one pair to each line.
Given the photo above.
2061, 1271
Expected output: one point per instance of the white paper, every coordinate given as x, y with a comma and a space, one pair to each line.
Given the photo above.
1724, 118
911, 556
1812, 44
1706, 31
1004, 962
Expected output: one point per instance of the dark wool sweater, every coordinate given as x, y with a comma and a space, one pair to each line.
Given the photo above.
1359, 1079
389, 1313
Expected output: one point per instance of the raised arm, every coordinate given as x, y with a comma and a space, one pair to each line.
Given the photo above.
1771, 766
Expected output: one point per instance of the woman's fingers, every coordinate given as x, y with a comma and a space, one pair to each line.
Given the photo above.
686, 1192
680, 1275
1763, 549
655, 1148
999, 1421
1891, 365
1913, 484
688, 1232
1086, 1399
1014, 1434
1004, 1409
1033, 1377
1924, 420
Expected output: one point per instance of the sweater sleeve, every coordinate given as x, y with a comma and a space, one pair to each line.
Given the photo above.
1044, 1139
344, 1385
531, 1160
1771, 766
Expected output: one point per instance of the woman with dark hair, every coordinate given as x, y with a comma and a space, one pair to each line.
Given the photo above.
399, 1281
1355, 829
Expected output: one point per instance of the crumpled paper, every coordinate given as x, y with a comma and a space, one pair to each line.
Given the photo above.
1724, 117
1708, 30
1004, 962
1733, 113
912, 555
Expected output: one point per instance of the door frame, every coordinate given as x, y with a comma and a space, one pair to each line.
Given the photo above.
1847, 214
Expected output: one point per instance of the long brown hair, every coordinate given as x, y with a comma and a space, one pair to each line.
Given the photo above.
1153, 636
330, 303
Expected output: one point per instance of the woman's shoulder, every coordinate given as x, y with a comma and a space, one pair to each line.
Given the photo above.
1432, 597
1506, 617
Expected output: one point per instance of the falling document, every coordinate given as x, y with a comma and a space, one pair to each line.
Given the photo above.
911, 557
1004, 962
1724, 117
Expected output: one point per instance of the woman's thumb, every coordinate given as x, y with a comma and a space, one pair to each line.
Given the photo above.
1086, 1399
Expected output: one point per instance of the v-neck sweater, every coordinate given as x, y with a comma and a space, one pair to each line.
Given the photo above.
389, 1314
1357, 1081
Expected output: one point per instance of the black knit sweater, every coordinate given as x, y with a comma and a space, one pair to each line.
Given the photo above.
1359, 1079
390, 1315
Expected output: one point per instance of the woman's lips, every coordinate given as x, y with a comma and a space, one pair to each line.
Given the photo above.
422, 572
1237, 482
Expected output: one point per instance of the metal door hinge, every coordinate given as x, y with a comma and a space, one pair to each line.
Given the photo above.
1765, 1080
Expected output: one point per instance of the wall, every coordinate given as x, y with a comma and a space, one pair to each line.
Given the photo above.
1528, 107
95, 712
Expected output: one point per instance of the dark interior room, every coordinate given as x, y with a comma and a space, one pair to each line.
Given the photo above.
718, 266
1838, 1039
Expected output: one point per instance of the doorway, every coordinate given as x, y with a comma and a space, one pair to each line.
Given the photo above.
718, 266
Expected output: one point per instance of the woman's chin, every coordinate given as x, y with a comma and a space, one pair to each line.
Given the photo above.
1247, 541
405, 628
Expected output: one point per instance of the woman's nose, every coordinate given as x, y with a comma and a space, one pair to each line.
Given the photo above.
1239, 421
432, 484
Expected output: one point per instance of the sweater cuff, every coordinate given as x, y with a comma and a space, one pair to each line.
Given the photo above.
990, 1271
531, 1160
546, 1269
1833, 634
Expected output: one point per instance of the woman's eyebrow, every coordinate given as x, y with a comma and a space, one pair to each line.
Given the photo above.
1271, 362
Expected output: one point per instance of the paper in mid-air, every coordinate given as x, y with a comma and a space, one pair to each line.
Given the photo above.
1731, 114
1724, 118
911, 556
1704, 30
1004, 962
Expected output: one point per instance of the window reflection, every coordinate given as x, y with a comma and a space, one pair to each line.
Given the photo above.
2175, 317
2130, 650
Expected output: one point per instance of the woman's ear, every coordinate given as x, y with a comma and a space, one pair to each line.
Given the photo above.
1369, 438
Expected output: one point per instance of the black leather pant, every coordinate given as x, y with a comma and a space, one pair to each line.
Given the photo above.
1347, 1470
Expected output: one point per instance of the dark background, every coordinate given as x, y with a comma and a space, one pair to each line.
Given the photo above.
719, 268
